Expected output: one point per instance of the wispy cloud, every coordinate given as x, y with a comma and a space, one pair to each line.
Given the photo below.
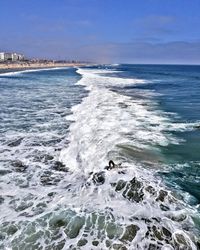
154, 20
172, 52
155, 26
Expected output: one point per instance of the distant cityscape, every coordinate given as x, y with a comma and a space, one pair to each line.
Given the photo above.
6, 56
9, 57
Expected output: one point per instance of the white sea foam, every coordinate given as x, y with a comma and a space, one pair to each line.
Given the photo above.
106, 125
30, 70
106, 119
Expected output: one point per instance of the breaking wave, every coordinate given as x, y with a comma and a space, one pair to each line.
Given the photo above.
14, 73
68, 200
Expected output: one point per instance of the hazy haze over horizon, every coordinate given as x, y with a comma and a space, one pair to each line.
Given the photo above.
105, 31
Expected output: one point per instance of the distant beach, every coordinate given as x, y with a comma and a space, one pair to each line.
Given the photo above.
33, 65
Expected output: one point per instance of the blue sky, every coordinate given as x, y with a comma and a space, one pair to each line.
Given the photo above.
106, 31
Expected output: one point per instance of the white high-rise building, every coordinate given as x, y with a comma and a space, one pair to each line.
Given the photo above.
2, 56
5, 56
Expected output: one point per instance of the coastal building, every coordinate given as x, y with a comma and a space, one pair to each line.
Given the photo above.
17, 57
2, 56
6, 56
20, 57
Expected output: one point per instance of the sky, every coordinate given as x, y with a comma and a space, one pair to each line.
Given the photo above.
103, 31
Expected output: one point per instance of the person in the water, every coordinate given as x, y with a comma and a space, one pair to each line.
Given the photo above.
111, 165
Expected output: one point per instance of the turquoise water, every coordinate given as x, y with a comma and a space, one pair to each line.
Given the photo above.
59, 129
179, 89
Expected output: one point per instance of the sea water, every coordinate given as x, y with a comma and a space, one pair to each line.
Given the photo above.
59, 129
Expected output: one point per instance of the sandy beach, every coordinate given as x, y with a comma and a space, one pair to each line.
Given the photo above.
33, 65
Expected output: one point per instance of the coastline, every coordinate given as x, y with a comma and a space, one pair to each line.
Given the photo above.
37, 65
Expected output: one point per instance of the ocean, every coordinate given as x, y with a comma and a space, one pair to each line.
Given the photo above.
60, 128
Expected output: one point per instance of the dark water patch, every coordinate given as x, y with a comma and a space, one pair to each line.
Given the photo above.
19, 166
1, 200
186, 151
185, 177
59, 166
49, 178
43, 157
4, 171
15, 143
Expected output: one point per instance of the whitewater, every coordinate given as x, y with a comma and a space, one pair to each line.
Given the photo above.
55, 190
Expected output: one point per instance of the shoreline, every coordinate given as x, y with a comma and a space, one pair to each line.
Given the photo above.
25, 65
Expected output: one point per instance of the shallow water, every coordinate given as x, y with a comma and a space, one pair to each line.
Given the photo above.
59, 128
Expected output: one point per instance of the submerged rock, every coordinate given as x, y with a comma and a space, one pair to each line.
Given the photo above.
51, 194
198, 244
157, 233
181, 242
82, 242
160, 234
60, 220
74, 227
134, 190
118, 247
152, 247
164, 208
178, 218
120, 185
95, 242
166, 232
108, 243
130, 233
113, 230
99, 178
151, 190
162, 195
60, 223
12, 229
